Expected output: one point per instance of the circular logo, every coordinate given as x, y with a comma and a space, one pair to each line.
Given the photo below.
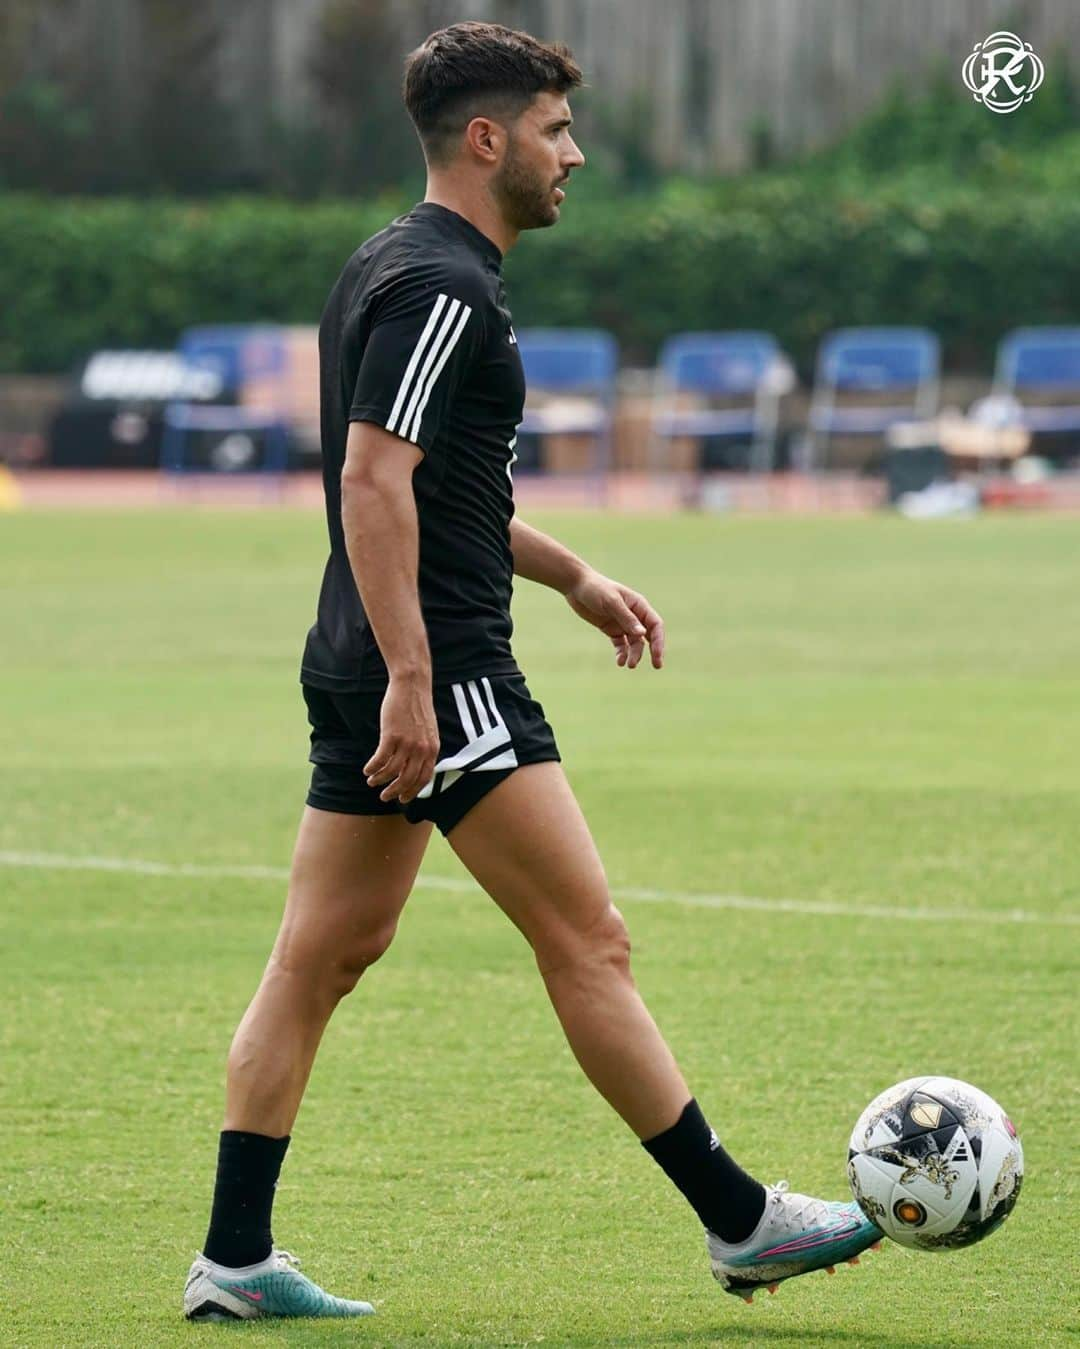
909, 1212
1002, 72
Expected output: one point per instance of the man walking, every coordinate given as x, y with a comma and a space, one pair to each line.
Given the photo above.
419, 714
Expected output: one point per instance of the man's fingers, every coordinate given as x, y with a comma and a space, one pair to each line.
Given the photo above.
398, 787
408, 778
656, 644
425, 771
618, 641
381, 761
633, 634
653, 625
631, 623
642, 610
628, 650
389, 774
393, 780
416, 776
627, 619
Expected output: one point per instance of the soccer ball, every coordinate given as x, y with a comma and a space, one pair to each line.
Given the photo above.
935, 1163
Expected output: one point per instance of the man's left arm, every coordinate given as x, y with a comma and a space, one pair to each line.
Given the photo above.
623, 615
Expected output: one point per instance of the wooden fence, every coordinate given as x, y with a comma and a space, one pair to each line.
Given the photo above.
703, 77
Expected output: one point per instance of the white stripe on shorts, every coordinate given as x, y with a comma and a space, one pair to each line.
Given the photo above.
464, 713
490, 738
478, 703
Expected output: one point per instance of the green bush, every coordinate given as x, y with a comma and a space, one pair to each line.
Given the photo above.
796, 260
81, 273
780, 252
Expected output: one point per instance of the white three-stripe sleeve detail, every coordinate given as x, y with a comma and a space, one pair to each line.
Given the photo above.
478, 703
414, 360
464, 713
491, 702
431, 355
415, 432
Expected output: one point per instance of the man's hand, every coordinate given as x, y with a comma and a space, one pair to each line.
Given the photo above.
622, 614
408, 740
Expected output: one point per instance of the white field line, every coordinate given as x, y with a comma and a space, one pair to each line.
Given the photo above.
815, 908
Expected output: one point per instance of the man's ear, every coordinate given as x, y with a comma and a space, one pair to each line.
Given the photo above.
485, 139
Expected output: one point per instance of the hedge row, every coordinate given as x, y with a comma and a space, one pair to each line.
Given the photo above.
80, 274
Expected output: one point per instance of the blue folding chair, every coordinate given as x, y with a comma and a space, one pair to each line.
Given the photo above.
573, 369
1044, 362
875, 362
739, 367
236, 354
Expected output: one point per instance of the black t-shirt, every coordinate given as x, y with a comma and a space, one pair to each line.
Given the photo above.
416, 336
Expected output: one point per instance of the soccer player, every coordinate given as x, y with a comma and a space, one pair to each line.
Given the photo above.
419, 715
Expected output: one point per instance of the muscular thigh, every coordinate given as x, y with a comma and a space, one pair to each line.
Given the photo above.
528, 845
350, 878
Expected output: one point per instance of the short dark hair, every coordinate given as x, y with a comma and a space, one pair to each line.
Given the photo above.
469, 69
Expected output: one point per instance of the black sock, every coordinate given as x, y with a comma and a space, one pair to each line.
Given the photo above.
728, 1201
247, 1172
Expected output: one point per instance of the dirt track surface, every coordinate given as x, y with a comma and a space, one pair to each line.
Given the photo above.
630, 492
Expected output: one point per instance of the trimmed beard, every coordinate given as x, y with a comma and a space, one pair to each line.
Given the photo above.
526, 202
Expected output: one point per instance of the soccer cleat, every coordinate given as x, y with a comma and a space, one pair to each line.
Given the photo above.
796, 1235
274, 1287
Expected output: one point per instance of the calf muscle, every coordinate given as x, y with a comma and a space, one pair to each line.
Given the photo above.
528, 845
351, 876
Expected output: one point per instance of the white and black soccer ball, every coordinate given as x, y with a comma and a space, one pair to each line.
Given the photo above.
935, 1163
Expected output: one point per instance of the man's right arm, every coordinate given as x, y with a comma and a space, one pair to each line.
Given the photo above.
378, 515
422, 334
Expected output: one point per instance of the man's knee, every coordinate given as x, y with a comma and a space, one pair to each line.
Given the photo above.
358, 954
332, 960
602, 942
612, 938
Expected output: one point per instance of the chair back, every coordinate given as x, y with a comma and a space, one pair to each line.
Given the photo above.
876, 360
1039, 358
723, 364
237, 352
569, 360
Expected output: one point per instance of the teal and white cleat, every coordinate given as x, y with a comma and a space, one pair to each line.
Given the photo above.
796, 1235
274, 1287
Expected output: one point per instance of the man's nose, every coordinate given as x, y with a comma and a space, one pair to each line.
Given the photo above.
575, 159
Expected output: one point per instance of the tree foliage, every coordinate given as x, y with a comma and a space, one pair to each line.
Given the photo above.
781, 254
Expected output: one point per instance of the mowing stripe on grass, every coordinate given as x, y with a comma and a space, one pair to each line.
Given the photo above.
819, 908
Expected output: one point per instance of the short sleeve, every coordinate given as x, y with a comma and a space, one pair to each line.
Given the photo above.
424, 336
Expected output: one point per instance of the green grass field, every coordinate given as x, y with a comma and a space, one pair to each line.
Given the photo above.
863, 715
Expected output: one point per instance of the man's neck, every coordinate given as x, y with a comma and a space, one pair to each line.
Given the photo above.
477, 207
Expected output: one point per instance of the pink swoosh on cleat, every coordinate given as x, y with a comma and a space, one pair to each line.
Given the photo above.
255, 1297
809, 1242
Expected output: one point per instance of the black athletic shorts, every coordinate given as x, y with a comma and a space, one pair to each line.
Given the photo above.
487, 728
